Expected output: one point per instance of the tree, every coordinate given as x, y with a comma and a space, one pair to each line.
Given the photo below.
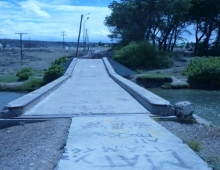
125, 22
152, 20
205, 15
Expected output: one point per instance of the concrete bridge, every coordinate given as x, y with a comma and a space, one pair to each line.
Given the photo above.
111, 128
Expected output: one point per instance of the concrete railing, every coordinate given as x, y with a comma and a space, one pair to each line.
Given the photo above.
153, 103
23, 104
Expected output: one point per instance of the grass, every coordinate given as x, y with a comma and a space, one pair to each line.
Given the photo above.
8, 79
29, 85
38, 72
139, 71
194, 145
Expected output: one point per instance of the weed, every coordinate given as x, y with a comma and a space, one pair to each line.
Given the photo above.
22, 123
155, 119
194, 145
139, 71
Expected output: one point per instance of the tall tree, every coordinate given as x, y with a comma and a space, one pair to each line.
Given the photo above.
152, 20
205, 15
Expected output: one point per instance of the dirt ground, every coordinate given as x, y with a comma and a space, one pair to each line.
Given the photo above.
36, 58
34, 146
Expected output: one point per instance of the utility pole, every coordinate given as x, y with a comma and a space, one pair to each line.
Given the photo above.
29, 43
21, 42
80, 26
63, 34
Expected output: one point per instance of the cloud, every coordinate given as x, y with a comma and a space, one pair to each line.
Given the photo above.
32, 9
42, 20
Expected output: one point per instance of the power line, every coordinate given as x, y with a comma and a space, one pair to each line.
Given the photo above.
63, 34
21, 42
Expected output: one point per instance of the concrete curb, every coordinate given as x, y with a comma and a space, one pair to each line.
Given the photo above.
153, 103
26, 102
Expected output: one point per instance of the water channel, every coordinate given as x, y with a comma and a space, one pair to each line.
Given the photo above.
207, 103
6, 97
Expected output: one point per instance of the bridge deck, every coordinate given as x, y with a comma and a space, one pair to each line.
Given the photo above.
113, 131
90, 90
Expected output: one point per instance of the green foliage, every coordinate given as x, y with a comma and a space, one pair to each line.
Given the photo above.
194, 145
24, 74
29, 85
60, 61
55, 71
32, 85
139, 71
141, 55
204, 73
8, 78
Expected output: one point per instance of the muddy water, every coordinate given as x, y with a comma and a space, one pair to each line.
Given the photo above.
207, 102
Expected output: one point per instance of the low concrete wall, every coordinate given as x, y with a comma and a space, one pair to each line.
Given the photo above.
153, 103
26, 102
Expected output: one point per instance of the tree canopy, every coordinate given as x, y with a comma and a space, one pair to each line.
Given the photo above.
163, 22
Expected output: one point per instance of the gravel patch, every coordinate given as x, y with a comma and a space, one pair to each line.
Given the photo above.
34, 146
38, 59
207, 137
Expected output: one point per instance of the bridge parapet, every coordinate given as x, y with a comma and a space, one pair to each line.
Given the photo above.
152, 102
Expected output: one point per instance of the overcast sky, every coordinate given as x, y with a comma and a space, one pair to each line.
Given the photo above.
48, 19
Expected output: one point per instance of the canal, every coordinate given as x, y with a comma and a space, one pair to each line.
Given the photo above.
6, 97
207, 103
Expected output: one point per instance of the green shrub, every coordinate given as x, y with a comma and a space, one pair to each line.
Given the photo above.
24, 74
60, 61
32, 85
54, 72
141, 55
204, 73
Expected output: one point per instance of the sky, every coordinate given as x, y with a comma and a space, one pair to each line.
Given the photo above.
48, 20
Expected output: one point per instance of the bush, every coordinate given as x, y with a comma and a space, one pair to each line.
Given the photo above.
141, 55
204, 73
32, 85
55, 71
24, 74
60, 61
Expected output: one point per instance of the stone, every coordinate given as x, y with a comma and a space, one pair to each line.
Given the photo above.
184, 109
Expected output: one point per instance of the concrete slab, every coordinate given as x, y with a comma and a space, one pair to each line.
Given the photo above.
130, 142
90, 90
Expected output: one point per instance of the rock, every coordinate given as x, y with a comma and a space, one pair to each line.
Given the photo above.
184, 109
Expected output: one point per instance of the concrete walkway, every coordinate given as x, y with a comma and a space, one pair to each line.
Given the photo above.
110, 130
129, 142
90, 90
